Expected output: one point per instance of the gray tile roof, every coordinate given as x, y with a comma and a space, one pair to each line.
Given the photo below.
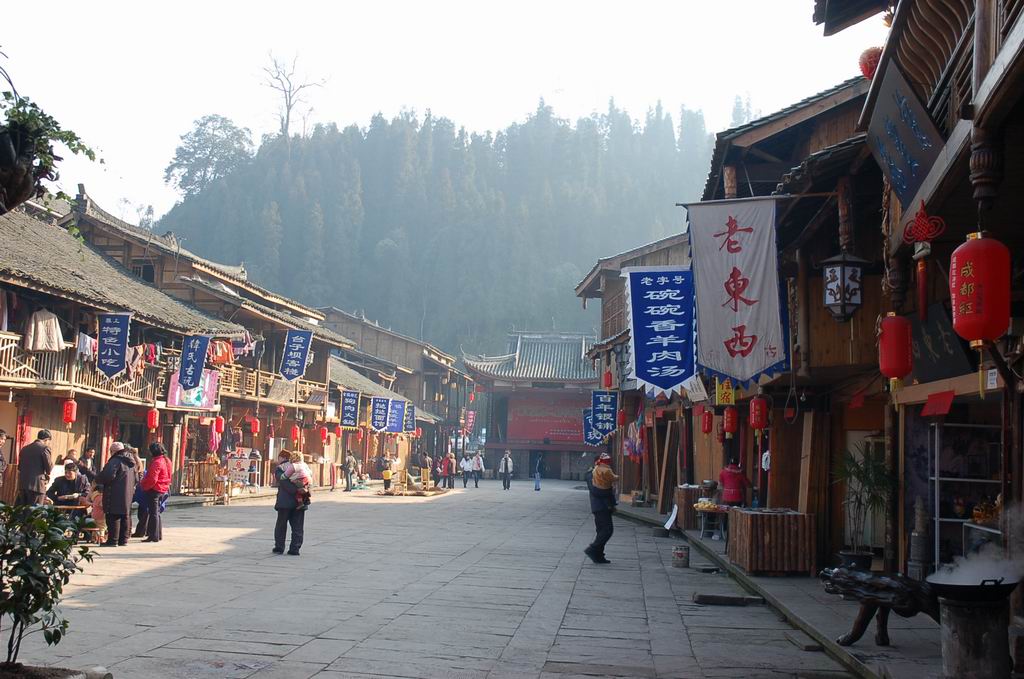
347, 378
45, 256
545, 357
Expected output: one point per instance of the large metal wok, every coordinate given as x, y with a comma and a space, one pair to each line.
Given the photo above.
989, 589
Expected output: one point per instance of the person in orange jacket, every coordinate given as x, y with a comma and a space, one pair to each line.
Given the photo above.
155, 483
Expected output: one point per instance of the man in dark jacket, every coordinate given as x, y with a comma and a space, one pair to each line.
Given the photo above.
602, 504
87, 464
70, 490
34, 464
290, 512
118, 478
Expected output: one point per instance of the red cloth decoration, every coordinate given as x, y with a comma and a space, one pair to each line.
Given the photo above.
938, 404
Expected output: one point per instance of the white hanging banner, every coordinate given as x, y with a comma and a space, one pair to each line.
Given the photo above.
740, 332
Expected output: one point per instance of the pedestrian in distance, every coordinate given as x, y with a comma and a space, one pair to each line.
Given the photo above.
453, 466
155, 485
386, 471
350, 469
466, 465
3, 456
34, 465
602, 505
478, 469
538, 471
290, 512
426, 464
118, 478
505, 470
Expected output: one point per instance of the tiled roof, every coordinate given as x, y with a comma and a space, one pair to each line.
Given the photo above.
614, 262
361, 318
547, 357
820, 163
48, 257
347, 378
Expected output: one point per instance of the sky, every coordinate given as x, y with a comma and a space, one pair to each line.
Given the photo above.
131, 77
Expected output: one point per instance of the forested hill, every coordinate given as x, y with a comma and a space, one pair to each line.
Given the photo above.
443, 234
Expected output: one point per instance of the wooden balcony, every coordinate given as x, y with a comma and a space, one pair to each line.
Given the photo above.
240, 382
63, 371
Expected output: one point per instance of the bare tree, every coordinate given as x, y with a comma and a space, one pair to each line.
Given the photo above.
282, 78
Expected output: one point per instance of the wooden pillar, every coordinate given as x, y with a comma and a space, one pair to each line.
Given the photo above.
729, 179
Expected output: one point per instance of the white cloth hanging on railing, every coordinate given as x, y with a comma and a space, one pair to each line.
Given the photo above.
42, 332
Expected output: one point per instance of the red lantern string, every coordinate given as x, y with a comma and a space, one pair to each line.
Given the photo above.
730, 421
70, 412
153, 419
895, 349
707, 421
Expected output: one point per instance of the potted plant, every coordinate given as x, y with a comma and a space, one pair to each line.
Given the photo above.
869, 485
38, 556
27, 156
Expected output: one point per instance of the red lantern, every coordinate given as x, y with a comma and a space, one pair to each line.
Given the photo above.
152, 419
337, 431
295, 433
218, 424
359, 436
419, 432
721, 433
472, 397
607, 379
323, 434
622, 417
868, 61
254, 426
895, 351
758, 413
707, 421
730, 421
70, 411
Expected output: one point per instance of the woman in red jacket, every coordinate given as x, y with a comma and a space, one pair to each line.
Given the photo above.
734, 484
156, 483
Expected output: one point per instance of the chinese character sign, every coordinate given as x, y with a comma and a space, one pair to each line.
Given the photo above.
725, 395
379, 413
350, 408
605, 405
296, 353
193, 360
112, 347
740, 332
470, 420
661, 326
409, 424
396, 416
591, 436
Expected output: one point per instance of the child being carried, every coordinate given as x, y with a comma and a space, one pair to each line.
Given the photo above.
299, 473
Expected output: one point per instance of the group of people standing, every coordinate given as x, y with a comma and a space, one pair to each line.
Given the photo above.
107, 494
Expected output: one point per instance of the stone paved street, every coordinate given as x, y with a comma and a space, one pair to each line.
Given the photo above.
478, 583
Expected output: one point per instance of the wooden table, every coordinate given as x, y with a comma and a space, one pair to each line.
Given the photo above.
772, 541
718, 525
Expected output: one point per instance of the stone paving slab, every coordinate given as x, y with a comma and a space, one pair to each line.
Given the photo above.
478, 583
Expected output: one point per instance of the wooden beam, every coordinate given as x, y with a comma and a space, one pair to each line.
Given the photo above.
806, 451
729, 178
663, 491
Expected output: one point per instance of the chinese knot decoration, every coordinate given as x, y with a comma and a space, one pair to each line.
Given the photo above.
895, 349
730, 421
923, 230
979, 291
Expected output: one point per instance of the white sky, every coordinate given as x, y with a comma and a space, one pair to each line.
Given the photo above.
130, 77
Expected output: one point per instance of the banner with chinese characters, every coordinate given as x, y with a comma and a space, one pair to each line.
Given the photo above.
350, 408
193, 360
740, 330
470, 420
660, 326
112, 348
409, 424
591, 436
379, 413
396, 416
296, 353
605, 405
725, 395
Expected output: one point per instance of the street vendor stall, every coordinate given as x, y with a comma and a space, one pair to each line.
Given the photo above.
772, 540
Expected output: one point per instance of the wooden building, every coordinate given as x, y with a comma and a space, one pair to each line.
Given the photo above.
536, 396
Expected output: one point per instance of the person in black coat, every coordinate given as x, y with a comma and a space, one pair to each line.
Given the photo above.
118, 478
34, 465
290, 512
70, 490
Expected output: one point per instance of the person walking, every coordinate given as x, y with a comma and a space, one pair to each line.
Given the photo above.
505, 470
453, 466
538, 471
602, 504
34, 465
118, 478
155, 484
290, 512
478, 469
386, 470
466, 465
350, 469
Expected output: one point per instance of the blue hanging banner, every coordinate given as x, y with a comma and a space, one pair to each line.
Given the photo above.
660, 326
379, 413
193, 360
350, 408
409, 425
604, 405
296, 353
591, 436
396, 416
112, 349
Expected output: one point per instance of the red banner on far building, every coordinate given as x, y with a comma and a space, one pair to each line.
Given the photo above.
554, 417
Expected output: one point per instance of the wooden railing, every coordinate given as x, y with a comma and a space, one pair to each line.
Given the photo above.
64, 371
247, 383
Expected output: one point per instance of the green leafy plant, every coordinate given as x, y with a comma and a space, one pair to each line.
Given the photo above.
27, 156
869, 485
38, 556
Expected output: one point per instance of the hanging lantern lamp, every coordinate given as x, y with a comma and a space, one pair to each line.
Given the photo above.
895, 349
979, 292
254, 426
843, 285
359, 436
759, 413
868, 61
607, 379
337, 431
295, 433
218, 424
152, 419
323, 434
707, 421
730, 421
70, 412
